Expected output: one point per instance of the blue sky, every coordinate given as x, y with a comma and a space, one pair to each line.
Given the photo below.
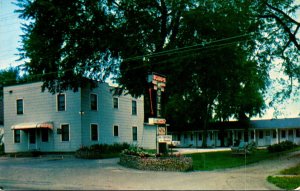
10, 40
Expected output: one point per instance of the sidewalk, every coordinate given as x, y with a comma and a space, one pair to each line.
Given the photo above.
200, 150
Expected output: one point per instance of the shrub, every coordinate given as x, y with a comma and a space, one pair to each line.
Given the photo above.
137, 151
1, 149
283, 146
101, 150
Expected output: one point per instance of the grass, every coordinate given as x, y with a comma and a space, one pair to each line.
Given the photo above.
225, 159
292, 171
289, 182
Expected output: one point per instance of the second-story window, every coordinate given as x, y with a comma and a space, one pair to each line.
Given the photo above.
20, 108
134, 109
94, 102
116, 103
61, 102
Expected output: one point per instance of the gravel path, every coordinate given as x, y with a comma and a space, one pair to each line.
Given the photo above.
71, 173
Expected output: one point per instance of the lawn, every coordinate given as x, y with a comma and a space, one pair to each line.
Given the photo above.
225, 159
289, 182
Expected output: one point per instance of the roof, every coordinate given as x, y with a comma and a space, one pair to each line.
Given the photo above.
257, 124
276, 123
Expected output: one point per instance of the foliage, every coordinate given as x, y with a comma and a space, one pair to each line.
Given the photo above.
2, 149
137, 151
292, 171
216, 54
97, 151
282, 146
287, 183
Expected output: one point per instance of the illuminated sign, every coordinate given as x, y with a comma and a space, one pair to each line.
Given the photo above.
157, 121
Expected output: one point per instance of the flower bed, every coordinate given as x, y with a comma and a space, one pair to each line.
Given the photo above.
172, 163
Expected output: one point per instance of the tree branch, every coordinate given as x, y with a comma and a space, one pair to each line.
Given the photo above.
292, 37
283, 13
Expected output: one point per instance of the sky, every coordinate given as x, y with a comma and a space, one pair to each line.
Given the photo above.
10, 39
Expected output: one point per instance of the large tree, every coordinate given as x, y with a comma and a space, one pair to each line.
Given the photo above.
216, 54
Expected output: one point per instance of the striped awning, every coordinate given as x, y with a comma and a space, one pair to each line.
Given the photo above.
33, 125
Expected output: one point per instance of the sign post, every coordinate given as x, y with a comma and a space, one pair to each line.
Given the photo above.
162, 139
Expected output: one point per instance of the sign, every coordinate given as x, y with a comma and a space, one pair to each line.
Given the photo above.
158, 121
155, 78
161, 130
175, 143
164, 139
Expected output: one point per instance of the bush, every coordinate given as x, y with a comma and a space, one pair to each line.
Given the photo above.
1, 149
283, 146
137, 151
98, 151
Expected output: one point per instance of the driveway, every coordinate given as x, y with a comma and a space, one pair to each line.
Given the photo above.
54, 172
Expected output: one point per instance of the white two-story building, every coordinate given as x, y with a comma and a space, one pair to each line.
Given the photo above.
36, 120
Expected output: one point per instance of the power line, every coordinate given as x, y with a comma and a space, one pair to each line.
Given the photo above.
182, 50
177, 50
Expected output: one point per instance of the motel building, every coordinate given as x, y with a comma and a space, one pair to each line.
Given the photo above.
262, 132
64, 122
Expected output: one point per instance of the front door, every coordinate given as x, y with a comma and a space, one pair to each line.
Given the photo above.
268, 138
32, 139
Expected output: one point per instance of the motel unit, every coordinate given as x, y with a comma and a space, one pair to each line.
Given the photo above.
262, 132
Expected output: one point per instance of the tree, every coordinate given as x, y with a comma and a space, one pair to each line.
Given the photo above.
216, 54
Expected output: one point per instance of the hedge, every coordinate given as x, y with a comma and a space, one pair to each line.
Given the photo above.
171, 163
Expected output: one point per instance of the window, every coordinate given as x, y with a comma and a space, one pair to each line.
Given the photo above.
17, 135
134, 133
65, 132
20, 108
261, 134
116, 130
239, 135
61, 102
116, 103
291, 133
200, 136
297, 132
274, 134
94, 132
211, 135
44, 135
252, 135
134, 109
283, 134
94, 102
192, 137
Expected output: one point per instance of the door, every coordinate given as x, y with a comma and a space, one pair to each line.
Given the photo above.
31, 139
268, 138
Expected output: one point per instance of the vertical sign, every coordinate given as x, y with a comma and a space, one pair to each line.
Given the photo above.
158, 103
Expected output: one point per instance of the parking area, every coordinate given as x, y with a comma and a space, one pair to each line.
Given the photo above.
69, 173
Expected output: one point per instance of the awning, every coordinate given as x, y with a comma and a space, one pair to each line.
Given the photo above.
33, 125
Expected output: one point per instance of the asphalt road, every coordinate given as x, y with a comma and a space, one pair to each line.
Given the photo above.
68, 173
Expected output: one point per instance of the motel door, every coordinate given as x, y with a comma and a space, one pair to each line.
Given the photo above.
31, 139
268, 138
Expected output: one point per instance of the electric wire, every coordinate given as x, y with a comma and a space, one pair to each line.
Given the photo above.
162, 53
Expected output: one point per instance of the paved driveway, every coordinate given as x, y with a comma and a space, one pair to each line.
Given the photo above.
71, 173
